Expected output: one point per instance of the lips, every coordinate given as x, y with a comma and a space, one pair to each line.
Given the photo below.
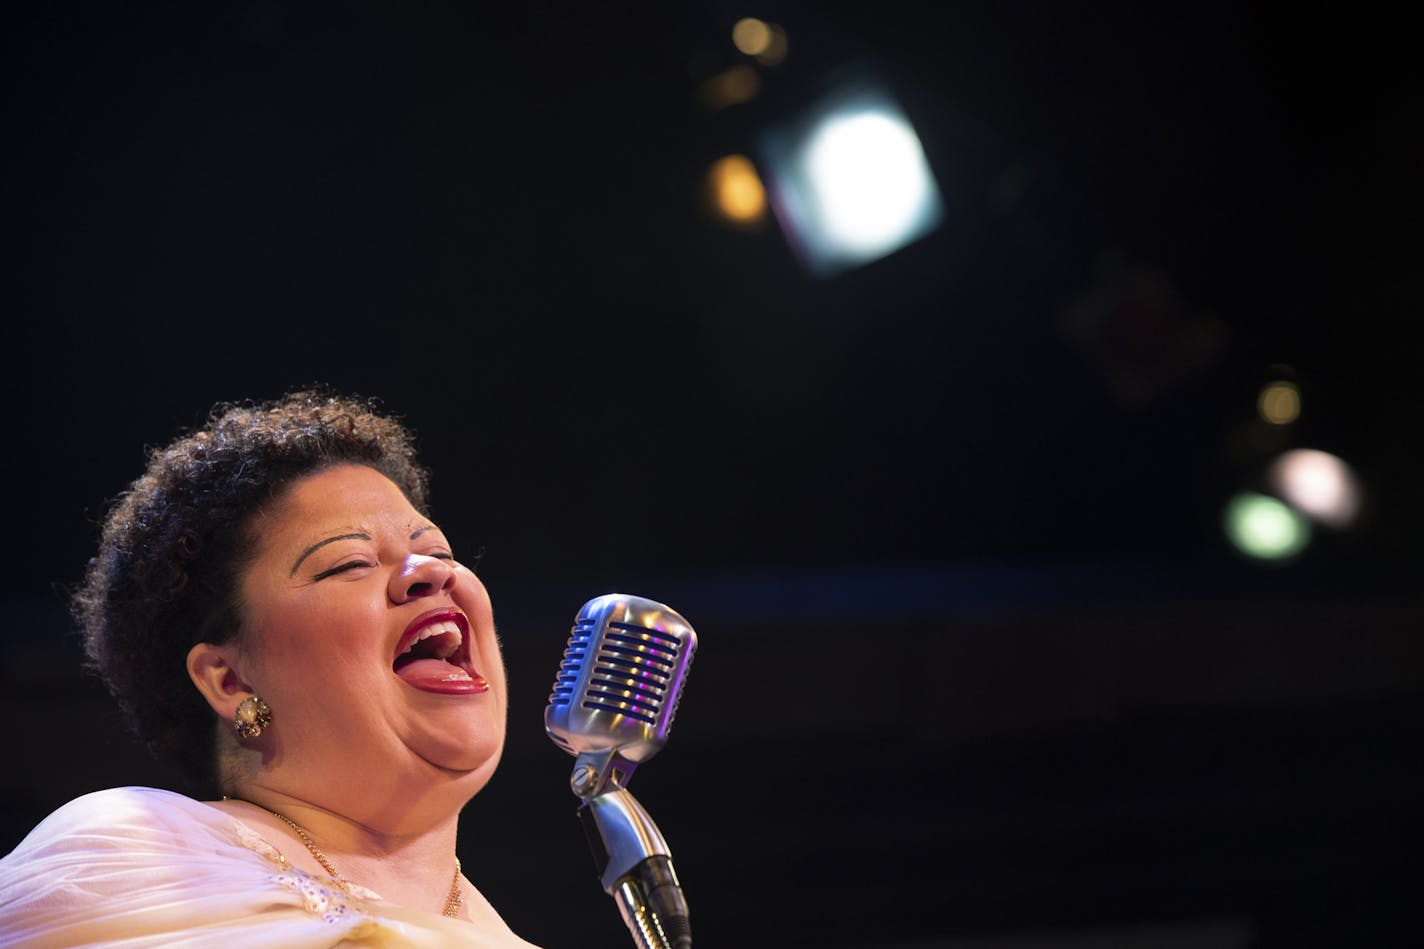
433, 654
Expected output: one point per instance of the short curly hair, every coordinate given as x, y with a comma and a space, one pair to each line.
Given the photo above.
175, 545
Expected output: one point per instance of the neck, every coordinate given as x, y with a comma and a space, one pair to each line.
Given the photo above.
378, 804
405, 860
391, 829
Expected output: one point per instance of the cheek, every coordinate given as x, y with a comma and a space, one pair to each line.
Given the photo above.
472, 597
311, 635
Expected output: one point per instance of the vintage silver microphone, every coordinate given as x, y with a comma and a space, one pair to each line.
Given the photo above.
613, 703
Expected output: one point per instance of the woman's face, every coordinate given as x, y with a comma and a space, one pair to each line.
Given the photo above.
374, 647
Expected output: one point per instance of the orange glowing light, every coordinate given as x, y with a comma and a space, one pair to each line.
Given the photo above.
729, 87
751, 36
765, 42
737, 189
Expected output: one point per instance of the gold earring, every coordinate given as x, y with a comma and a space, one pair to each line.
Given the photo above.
253, 715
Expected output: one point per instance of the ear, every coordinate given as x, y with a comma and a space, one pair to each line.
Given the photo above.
215, 671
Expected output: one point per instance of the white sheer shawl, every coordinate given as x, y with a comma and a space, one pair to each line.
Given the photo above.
143, 867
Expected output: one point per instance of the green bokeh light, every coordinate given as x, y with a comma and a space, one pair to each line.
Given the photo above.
1265, 528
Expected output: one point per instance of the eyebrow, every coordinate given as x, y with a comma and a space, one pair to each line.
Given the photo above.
322, 543
353, 536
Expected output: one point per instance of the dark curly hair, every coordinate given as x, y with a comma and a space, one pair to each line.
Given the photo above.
175, 544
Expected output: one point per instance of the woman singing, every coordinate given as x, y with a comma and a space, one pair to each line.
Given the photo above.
278, 617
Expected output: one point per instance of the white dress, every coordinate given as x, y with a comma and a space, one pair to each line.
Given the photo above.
141, 867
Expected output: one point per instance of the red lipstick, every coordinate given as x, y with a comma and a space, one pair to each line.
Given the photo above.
433, 654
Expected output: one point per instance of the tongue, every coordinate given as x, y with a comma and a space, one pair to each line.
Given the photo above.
437, 675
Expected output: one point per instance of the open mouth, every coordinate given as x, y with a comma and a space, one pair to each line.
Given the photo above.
433, 654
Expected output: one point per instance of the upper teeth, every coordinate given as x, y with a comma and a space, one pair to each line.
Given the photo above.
442, 650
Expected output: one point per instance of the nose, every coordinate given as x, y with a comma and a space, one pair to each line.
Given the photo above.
422, 576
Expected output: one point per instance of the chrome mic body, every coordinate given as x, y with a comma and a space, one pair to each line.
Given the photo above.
618, 688
612, 705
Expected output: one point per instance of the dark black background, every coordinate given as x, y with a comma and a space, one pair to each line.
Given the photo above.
977, 657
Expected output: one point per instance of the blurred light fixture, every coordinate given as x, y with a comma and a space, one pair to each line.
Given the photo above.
729, 87
1264, 527
1279, 402
849, 180
751, 36
1318, 484
766, 42
736, 189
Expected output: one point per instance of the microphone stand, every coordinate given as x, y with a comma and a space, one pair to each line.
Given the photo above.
633, 860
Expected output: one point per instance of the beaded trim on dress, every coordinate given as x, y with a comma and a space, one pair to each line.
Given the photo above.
318, 898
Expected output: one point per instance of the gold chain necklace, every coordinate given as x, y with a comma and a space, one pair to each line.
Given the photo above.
453, 902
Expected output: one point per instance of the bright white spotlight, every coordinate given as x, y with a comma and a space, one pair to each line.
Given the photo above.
1319, 484
869, 176
850, 181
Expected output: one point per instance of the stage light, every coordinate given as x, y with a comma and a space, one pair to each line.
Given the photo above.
1264, 527
729, 87
737, 192
849, 180
766, 42
1279, 402
751, 36
1318, 484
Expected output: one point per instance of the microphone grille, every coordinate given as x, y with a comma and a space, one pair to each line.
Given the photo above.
621, 677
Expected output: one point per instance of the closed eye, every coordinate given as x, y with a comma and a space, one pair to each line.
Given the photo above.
342, 568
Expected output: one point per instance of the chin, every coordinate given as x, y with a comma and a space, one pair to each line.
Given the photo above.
479, 755
470, 781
